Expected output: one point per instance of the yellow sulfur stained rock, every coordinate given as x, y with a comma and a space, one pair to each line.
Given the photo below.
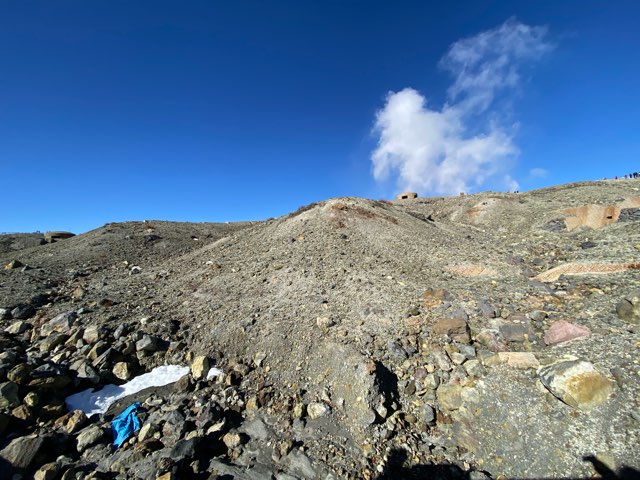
577, 383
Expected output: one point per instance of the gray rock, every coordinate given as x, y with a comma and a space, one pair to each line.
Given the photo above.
92, 334
148, 343
256, 429
285, 476
468, 351
5, 313
8, 357
223, 470
427, 414
629, 215
432, 381
299, 464
395, 350
514, 332
511, 427
628, 309
20, 373
89, 437
487, 309
120, 331
85, 371
474, 368
458, 314
450, 396
22, 452
52, 341
123, 460
457, 357
49, 376
538, 315
48, 471
173, 428
442, 361
9, 395
184, 449
61, 323
23, 312
478, 475
16, 328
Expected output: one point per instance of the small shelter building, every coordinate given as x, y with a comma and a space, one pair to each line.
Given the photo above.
406, 195
54, 236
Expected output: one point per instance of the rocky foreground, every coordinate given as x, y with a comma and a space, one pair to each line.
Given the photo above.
470, 337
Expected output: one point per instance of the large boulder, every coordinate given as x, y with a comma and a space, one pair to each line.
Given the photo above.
23, 452
577, 383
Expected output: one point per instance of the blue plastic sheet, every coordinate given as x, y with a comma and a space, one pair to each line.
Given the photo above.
125, 424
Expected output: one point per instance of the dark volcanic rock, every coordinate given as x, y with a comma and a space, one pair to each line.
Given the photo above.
23, 452
23, 312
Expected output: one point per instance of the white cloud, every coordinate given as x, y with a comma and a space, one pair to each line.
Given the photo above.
538, 173
433, 150
488, 62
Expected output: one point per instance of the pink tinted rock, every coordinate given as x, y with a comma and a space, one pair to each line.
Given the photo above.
563, 331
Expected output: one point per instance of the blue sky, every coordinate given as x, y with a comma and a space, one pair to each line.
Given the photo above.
221, 111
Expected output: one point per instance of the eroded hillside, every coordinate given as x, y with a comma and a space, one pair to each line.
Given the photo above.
486, 335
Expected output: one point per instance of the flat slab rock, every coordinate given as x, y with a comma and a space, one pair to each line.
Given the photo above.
577, 383
585, 269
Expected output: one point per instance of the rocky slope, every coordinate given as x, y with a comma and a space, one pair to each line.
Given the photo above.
471, 337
